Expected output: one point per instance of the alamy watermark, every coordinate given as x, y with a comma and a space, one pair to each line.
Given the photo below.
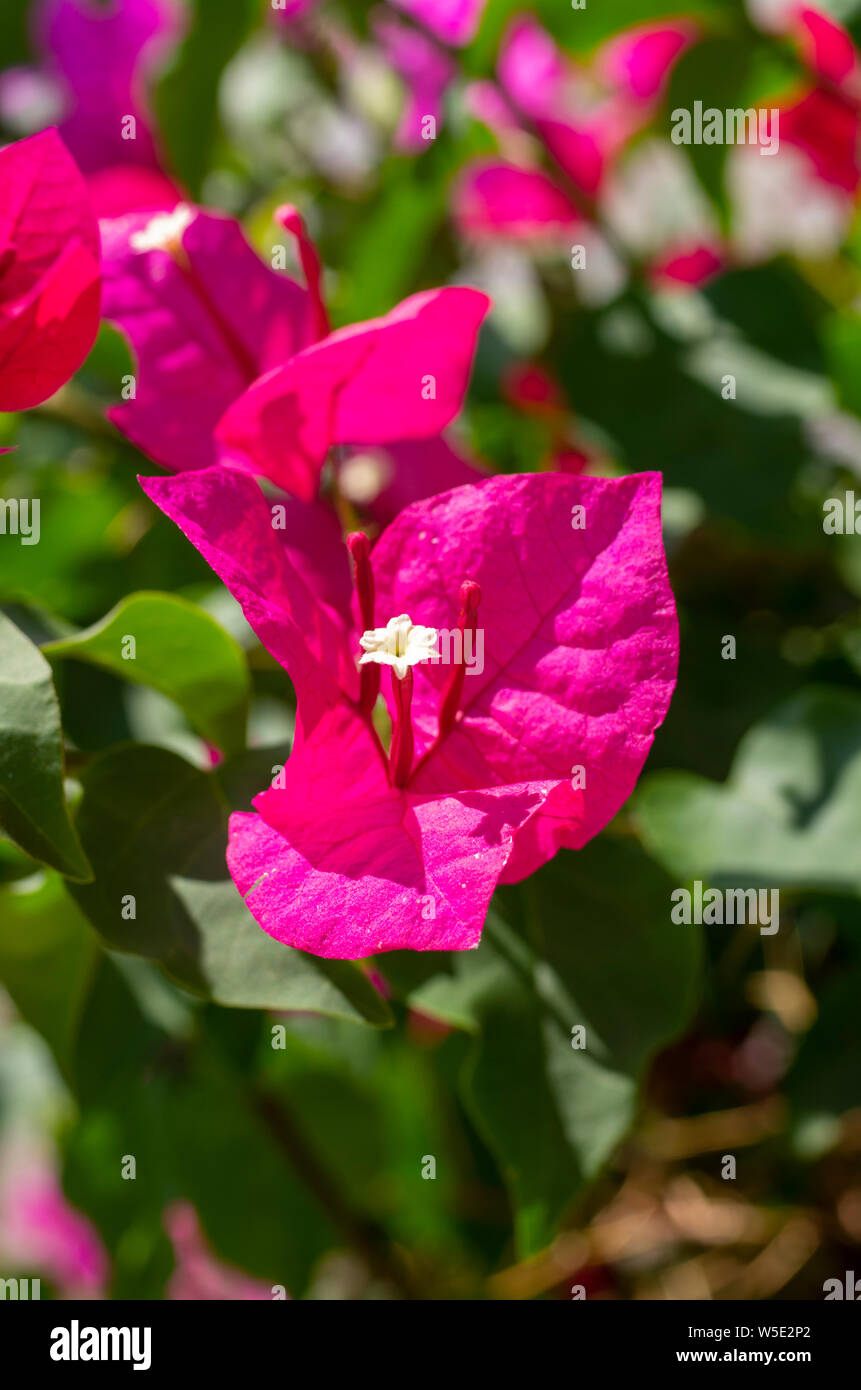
456, 648
727, 907
21, 1290
76, 1343
21, 517
735, 126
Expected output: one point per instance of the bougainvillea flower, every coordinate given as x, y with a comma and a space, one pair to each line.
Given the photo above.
826, 48
102, 56
826, 129
290, 10
200, 336
426, 71
492, 199
687, 266
49, 270
40, 1231
639, 61
555, 98
559, 582
581, 130
241, 369
198, 1276
583, 118
454, 21
803, 200
823, 121
399, 377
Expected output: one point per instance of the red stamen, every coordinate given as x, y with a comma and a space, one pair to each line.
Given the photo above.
359, 547
369, 674
291, 220
401, 756
470, 597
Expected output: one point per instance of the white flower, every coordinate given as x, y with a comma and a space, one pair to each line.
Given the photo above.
164, 231
399, 644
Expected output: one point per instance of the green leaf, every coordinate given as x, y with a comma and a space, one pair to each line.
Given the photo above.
375, 1107
272, 1226
789, 812
179, 1107
179, 650
714, 72
78, 524
33, 810
157, 830
774, 310
841, 335
553, 1114
822, 1084
122, 1065
47, 956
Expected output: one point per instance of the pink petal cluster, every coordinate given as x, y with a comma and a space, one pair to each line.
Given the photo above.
543, 92
827, 49
100, 58
241, 368
49, 270
399, 377
198, 1276
352, 851
204, 318
426, 71
803, 200
454, 21
41, 1231
825, 121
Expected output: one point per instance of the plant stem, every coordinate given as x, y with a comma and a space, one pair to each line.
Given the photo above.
364, 1233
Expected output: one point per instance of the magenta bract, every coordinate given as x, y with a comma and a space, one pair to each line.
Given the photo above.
582, 116
49, 270
200, 336
399, 377
494, 763
241, 368
426, 71
102, 55
454, 21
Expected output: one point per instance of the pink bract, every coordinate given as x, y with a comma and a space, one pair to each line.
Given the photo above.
827, 130
426, 72
639, 62
399, 377
827, 48
822, 121
345, 857
198, 1275
688, 265
454, 21
493, 198
200, 336
583, 116
102, 56
340, 863
40, 1230
49, 270
241, 369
